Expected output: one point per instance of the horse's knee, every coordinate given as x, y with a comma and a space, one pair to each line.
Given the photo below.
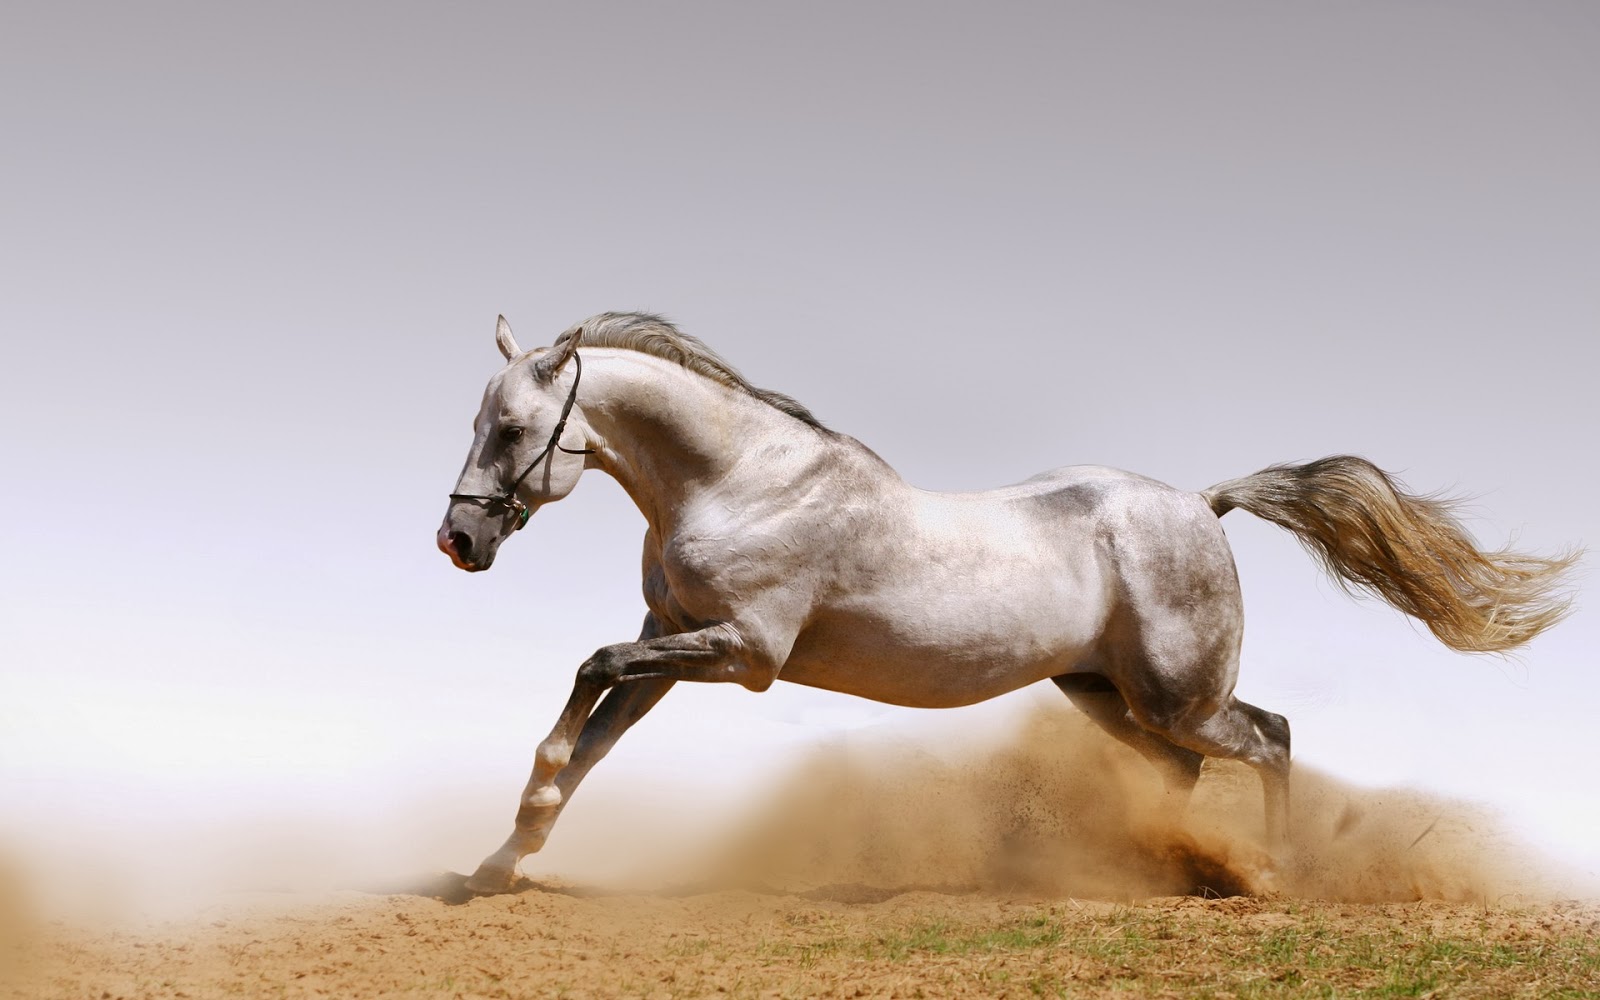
605, 667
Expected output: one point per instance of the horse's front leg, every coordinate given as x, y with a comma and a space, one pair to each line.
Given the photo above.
710, 654
579, 739
620, 709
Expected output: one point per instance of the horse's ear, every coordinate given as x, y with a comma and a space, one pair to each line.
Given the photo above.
552, 361
504, 340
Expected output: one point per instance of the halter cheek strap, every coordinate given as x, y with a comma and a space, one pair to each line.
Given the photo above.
507, 498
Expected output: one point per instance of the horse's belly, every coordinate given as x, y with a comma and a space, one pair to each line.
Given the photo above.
958, 626
936, 666
926, 684
914, 687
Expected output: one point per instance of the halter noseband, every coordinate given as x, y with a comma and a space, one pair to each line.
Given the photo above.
508, 497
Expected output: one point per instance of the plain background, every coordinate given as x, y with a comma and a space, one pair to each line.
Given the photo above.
251, 259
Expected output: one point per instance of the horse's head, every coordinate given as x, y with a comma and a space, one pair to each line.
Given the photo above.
517, 462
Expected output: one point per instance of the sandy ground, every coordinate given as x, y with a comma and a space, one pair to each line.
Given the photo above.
549, 941
1045, 866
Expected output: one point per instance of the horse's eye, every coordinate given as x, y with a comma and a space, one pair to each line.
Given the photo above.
511, 435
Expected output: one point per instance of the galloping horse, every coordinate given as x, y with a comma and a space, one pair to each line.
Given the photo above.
778, 548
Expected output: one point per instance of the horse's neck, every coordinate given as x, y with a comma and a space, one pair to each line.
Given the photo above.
668, 435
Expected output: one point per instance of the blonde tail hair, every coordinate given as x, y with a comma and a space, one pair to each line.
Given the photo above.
1411, 551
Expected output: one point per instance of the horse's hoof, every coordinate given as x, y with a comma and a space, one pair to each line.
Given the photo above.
491, 880
1265, 883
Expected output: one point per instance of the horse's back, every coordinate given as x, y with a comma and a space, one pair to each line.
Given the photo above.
1113, 506
1152, 542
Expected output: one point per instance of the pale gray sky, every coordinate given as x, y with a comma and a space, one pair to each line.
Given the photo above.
252, 258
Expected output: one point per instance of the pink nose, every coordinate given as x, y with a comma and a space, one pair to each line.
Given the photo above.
458, 546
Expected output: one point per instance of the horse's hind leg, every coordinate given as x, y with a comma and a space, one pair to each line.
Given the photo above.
1100, 700
1173, 647
1238, 731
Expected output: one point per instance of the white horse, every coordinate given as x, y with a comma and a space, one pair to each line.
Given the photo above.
777, 548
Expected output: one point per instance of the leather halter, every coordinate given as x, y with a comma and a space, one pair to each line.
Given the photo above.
508, 497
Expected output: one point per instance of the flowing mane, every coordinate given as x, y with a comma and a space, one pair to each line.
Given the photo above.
653, 335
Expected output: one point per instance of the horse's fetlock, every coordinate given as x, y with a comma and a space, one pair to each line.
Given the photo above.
554, 754
539, 799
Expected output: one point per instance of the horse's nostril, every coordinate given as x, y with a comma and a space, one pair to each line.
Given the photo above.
462, 543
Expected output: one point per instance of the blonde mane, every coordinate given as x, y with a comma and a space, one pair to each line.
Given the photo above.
655, 336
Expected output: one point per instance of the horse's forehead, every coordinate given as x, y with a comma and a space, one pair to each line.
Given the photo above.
513, 381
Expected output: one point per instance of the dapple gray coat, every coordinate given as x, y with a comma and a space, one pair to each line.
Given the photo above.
778, 549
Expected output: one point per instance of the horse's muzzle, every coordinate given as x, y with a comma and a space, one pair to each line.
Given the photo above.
458, 546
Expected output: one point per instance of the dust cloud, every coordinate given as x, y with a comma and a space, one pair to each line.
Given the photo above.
1047, 807
1060, 809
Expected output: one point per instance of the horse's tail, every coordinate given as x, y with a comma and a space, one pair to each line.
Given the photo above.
1411, 551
